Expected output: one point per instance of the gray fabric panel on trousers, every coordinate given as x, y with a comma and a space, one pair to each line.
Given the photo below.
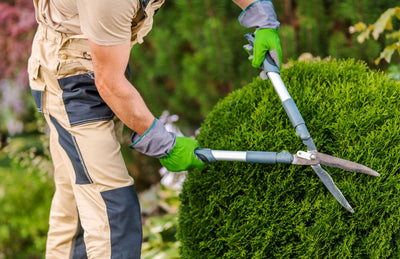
123, 211
79, 244
68, 142
82, 100
38, 97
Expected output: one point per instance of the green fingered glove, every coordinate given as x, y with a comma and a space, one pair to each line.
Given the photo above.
261, 15
267, 40
182, 156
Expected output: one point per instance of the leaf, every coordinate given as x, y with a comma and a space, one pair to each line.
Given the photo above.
383, 23
358, 27
397, 12
363, 36
388, 52
377, 61
363, 29
393, 36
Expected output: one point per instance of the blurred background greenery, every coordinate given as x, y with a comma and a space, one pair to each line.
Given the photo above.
192, 58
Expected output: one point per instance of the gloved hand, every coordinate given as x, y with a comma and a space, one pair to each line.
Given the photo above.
182, 156
267, 40
262, 16
175, 153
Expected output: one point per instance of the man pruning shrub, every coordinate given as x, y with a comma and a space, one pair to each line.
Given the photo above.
78, 79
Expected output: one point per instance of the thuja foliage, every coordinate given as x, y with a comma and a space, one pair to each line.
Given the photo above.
245, 210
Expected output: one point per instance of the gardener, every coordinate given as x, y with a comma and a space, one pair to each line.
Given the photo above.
77, 76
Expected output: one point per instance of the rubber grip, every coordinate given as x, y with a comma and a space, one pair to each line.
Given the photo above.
293, 112
269, 65
204, 154
261, 157
269, 157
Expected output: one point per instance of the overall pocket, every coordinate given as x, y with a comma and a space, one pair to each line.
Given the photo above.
82, 100
36, 83
74, 57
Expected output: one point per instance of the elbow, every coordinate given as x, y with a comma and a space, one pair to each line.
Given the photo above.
101, 85
107, 85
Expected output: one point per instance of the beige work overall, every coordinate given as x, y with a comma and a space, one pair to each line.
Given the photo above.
95, 211
94, 192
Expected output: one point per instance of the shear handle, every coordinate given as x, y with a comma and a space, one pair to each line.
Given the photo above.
209, 155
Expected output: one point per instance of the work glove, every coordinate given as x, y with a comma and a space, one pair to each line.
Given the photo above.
262, 16
174, 153
182, 156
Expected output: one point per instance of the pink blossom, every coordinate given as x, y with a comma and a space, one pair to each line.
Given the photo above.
17, 27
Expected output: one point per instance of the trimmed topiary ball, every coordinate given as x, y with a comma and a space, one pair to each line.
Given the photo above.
245, 210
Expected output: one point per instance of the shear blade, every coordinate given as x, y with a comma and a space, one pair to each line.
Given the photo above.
344, 164
333, 189
324, 159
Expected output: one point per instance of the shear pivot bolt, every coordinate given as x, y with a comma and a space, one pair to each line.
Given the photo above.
306, 155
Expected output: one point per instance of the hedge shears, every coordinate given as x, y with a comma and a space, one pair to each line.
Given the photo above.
310, 157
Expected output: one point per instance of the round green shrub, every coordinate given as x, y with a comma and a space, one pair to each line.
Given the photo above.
245, 210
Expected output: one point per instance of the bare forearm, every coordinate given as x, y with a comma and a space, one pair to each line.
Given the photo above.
109, 64
128, 105
243, 3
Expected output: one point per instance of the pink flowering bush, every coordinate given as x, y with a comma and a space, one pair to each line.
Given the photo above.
17, 27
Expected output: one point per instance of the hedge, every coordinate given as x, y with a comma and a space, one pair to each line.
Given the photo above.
244, 210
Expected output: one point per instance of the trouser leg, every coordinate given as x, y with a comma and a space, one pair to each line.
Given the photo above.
106, 199
65, 235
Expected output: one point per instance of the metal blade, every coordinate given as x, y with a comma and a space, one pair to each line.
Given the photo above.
344, 164
330, 184
324, 159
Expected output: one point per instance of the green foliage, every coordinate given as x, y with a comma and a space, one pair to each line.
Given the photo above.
159, 207
25, 197
383, 24
245, 210
362, 10
314, 26
394, 71
193, 56
188, 61
287, 36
